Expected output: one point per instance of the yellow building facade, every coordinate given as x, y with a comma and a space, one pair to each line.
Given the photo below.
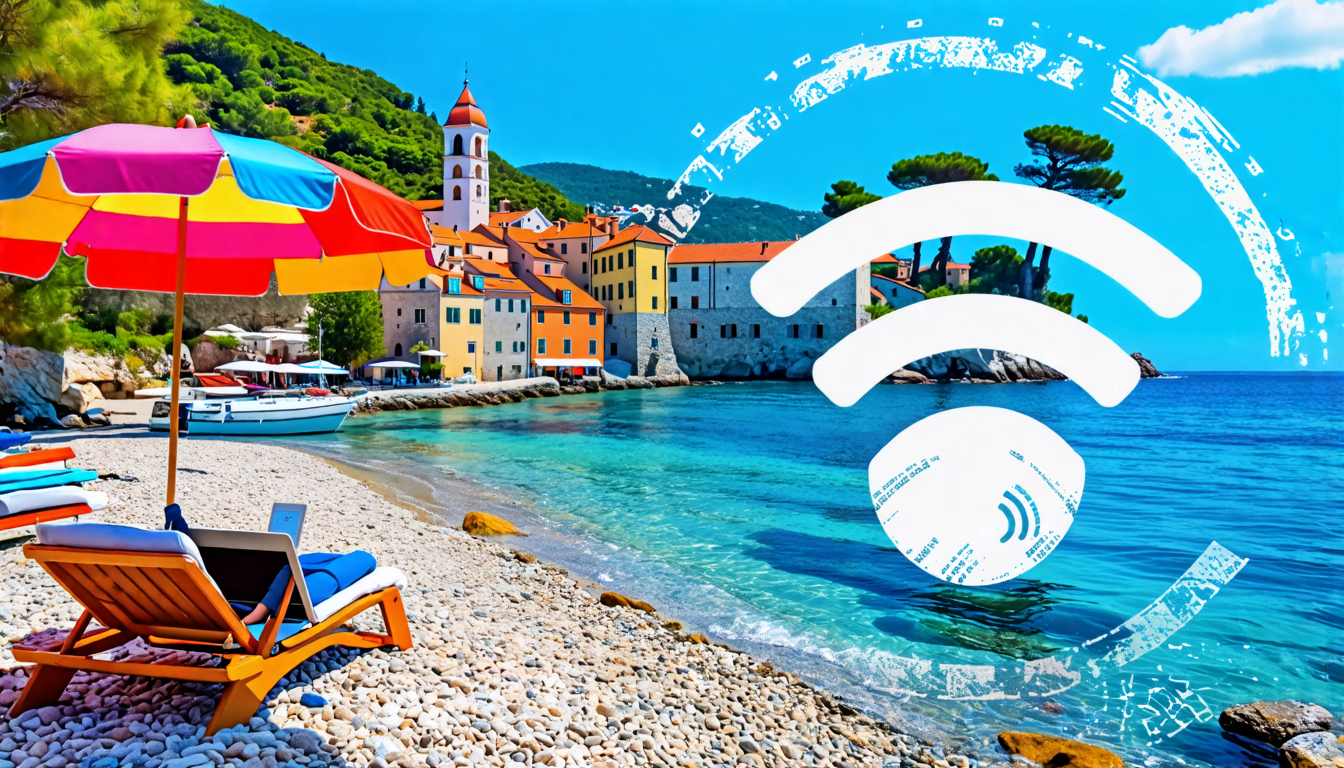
461, 306
629, 272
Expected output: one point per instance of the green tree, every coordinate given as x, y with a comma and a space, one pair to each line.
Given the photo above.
877, 310
67, 65
844, 197
995, 270
1069, 161
925, 170
33, 312
351, 325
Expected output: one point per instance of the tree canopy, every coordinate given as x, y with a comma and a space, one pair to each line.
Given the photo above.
1072, 163
844, 197
352, 325
925, 170
67, 65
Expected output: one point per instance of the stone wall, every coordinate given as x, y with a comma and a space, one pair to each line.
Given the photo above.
399, 325
206, 312
644, 341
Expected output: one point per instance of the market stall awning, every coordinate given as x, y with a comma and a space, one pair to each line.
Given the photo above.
247, 366
567, 362
392, 364
430, 353
322, 366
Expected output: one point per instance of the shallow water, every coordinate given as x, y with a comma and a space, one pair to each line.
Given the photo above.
743, 509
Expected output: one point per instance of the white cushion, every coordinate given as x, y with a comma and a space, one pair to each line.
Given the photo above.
381, 578
118, 538
46, 498
33, 467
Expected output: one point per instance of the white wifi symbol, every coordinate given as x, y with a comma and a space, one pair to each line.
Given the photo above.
938, 485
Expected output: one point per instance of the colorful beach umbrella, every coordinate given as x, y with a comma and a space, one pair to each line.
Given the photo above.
193, 210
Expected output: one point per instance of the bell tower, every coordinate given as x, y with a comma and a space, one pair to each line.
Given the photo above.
466, 165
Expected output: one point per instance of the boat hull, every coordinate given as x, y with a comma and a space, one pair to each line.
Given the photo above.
266, 416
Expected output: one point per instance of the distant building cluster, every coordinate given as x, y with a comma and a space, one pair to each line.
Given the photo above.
517, 294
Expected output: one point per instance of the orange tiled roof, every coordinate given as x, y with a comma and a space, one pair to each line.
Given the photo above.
904, 285
573, 229
467, 288
445, 235
638, 232
497, 218
428, 205
465, 111
876, 294
577, 297
488, 267
520, 234
727, 252
536, 253
888, 258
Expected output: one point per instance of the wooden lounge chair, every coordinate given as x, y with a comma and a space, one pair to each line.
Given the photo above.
36, 458
158, 585
30, 507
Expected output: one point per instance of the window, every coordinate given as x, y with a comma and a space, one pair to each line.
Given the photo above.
592, 318
478, 172
609, 319
499, 346
631, 289
522, 346
478, 147
457, 193
756, 331
613, 349
478, 190
457, 171
474, 316
819, 331
420, 316
592, 346
547, 269
522, 306
566, 320
620, 290
541, 346
585, 267
653, 343
510, 305
673, 304
569, 347
466, 369
453, 315
695, 274
541, 316
457, 144
454, 285
566, 298
583, 247
631, 257
655, 271
471, 348
671, 274
732, 330
478, 281
498, 303
398, 311
694, 330
655, 302
832, 302
793, 331
564, 248
396, 352
695, 302
723, 331
499, 373
620, 260
422, 283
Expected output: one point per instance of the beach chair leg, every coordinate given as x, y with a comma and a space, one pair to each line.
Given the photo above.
242, 698
394, 619
45, 686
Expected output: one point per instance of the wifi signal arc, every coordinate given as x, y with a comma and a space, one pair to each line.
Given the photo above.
862, 359
1087, 232
1021, 510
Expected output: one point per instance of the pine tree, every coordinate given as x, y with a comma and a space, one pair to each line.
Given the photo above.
67, 65
925, 170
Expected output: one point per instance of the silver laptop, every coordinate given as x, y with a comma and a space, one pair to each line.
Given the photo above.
288, 518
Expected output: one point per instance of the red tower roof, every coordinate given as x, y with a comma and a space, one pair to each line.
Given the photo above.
465, 111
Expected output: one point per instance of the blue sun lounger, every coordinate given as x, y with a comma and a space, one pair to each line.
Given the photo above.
13, 439
44, 478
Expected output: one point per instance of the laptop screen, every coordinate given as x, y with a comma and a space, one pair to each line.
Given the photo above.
288, 518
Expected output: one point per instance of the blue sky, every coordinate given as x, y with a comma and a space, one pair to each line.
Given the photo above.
621, 85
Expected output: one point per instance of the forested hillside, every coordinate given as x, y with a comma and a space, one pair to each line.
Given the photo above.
722, 219
256, 82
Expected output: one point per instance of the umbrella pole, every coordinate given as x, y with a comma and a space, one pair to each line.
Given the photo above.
178, 301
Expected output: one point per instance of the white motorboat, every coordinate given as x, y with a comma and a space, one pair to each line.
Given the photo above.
256, 416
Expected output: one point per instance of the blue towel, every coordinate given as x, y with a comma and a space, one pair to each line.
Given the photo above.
324, 573
10, 439
20, 481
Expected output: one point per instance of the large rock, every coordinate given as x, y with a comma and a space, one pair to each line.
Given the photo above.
904, 376
80, 397
800, 369
108, 372
208, 356
31, 380
1274, 722
1313, 750
984, 364
482, 524
1056, 752
616, 599
1146, 368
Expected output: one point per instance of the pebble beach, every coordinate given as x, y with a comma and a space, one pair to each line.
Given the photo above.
514, 660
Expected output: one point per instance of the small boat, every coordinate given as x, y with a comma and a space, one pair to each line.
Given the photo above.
256, 416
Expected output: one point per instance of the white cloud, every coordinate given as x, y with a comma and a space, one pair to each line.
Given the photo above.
1287, 33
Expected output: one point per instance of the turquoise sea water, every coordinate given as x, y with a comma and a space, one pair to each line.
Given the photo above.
743, 510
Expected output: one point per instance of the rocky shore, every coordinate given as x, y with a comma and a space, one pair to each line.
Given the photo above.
500, 392
514, 661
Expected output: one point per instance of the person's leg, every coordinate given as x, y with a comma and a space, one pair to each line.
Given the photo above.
328, 577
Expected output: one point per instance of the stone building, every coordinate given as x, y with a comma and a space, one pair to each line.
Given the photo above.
507, 323
629, 277
719, 331
410, 315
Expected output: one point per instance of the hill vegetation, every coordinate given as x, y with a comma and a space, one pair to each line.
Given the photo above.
722, 219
